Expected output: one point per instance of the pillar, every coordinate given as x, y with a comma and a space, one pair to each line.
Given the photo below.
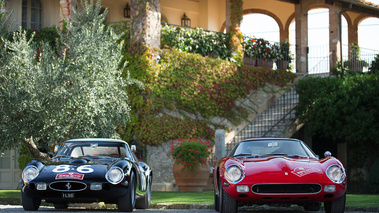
301, 18
228, 22
65, 10
335, 15
220, 144
3, 6
146, 22
353, 34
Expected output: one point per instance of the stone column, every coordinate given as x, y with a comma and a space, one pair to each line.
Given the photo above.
335, 34
146, 22
353, 34
228, 22
65, 10
219, 144
3, 7
301, 18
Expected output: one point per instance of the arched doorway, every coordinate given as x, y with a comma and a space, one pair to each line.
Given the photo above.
260, 26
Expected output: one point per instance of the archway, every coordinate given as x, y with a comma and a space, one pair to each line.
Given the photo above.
368, 30
260, 26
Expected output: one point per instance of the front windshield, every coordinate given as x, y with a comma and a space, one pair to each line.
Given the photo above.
95, 148
272, 147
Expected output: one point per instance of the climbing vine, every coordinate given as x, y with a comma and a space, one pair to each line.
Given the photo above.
236, 36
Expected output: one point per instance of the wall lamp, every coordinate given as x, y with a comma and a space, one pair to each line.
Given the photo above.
186, 21
127, 11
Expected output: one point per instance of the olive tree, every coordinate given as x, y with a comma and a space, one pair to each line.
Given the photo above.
47, 97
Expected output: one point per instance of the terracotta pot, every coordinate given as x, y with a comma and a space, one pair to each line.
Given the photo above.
188, 181
283, 65
356, 66
263, 63
249, 60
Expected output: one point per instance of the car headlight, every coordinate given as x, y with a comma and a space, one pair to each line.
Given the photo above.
336, 173
234, 174
29, 173
115, 175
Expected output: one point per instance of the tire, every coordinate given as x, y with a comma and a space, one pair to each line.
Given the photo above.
336, 206
217, 201
30, 203
127, 202
227, 204
312, 207
60, 205
144, 201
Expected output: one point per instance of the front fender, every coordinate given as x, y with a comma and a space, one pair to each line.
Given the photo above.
144, 177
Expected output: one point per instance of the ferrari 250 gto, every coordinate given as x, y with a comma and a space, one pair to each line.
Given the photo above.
278, 171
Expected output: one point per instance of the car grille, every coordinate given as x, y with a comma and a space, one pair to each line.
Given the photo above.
68, 186
286, 188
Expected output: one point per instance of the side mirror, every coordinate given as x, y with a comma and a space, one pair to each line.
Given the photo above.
327, 154
56, 148
133, 148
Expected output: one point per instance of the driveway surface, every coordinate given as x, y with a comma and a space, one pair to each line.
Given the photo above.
47, 209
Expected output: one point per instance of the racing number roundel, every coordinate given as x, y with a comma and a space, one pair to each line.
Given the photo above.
64, 168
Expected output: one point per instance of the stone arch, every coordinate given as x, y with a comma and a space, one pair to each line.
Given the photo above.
259, 11
360, 18
286, 31
164, 18
265, 12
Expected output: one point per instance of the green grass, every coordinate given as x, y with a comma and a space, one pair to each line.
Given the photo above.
353, 200
182, 197
13, 194
362, 200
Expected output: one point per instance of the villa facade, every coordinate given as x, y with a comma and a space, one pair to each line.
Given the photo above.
213, 15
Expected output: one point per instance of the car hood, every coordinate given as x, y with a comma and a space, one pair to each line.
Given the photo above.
75, 169
282, 169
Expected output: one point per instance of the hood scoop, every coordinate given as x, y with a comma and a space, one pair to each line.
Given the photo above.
78, 161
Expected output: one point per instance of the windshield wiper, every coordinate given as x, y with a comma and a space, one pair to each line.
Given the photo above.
245, 154
276, 154
61, 156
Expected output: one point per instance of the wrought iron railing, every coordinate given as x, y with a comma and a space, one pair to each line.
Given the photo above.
272, 121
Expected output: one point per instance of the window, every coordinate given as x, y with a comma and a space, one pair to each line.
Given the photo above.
31, 14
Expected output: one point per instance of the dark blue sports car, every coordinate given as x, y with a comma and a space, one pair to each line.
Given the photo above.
86, 171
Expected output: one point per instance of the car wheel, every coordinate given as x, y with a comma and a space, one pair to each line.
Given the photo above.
217, 200
127, 202
60, 205
30, 203
336, 206
227, 204
312, 207
144, 201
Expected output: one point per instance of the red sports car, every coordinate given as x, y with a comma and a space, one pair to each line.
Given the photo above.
278, 171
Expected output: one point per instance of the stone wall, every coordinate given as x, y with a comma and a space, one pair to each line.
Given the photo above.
161, 163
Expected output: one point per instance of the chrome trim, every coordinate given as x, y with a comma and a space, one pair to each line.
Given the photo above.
25, 178
286, 184
122, 174
68, 188
242, 172
342, 177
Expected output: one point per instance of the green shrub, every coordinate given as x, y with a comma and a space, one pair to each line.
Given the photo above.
374, 68
196, 41
373, 179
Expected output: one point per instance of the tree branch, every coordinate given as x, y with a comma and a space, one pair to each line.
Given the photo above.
34, 150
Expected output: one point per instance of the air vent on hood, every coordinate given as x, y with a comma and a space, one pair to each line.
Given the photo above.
78, 161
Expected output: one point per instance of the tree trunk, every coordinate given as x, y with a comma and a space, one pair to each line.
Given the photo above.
34, 150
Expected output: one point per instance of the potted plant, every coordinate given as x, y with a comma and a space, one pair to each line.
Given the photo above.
284, 56
262, 51
355, 63
191, 169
